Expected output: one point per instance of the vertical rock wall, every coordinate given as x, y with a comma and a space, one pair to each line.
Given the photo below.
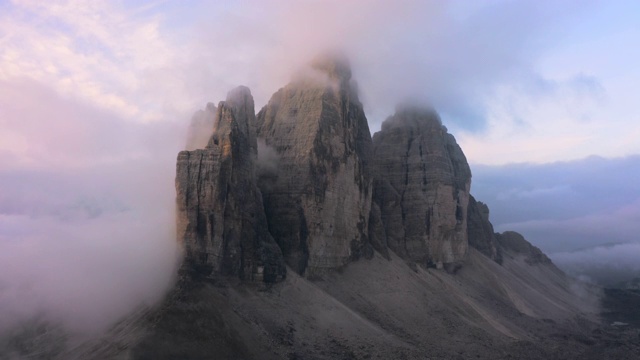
422, 188
220, 215
322, 192
318, 204
480, 230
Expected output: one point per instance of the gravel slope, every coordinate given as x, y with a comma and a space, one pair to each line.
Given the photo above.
372, 309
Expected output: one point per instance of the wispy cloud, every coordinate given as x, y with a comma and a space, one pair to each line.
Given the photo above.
95, 99
85, 246
603, 227
564, 206
87, 152
608, 265
89, 50
485, 66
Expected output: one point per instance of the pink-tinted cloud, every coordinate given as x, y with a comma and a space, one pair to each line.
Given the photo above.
95, 98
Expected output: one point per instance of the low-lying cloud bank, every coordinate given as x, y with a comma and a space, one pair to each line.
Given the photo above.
87, 223
95, 99
83, 248
613, 265
585, 213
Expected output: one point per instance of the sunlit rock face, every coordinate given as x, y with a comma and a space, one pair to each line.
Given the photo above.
318, 201
422, 188
220, 216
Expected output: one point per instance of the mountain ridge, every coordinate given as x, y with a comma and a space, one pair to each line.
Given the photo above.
305, 237
335, 193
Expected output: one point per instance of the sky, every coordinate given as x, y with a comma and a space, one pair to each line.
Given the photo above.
96, 98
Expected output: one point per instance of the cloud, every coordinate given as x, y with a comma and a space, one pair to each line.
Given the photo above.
87, 162
95, 99
85, 275
585, 214
86, 210
515, 194
114, 57
422, 50
607, 265
85, 247
267, 159
601, 227
564, 206
478, 64
483, 67
540, 119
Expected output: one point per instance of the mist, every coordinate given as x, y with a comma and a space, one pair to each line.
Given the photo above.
609, 265
96, 97
87, 222
447, 56
585, 214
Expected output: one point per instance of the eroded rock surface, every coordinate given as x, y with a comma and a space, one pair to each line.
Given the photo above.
221, 219
422, 187
480, 230
318, 201
515, 243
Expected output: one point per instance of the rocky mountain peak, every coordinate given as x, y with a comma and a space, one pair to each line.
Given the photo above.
422, 188
514, 243
331, 193
318, 205
236, 113
221, 220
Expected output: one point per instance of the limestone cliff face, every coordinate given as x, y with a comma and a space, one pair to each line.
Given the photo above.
319, 200
221, 219
514, 243
480, 230
422, 188
303, 183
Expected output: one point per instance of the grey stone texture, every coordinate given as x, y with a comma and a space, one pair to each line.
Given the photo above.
220, 216
422, 188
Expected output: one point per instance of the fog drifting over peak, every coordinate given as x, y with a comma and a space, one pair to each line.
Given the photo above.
522, 75
96, 97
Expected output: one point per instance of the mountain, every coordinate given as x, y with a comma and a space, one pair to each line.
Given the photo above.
305, 237
422, 188
411, 181
388, 254
318, 202
221, 219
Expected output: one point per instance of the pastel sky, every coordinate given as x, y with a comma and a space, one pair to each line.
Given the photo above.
516, 81
96, 97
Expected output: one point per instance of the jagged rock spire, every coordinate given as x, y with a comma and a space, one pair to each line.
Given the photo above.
221, 221
422, 187
318, 205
